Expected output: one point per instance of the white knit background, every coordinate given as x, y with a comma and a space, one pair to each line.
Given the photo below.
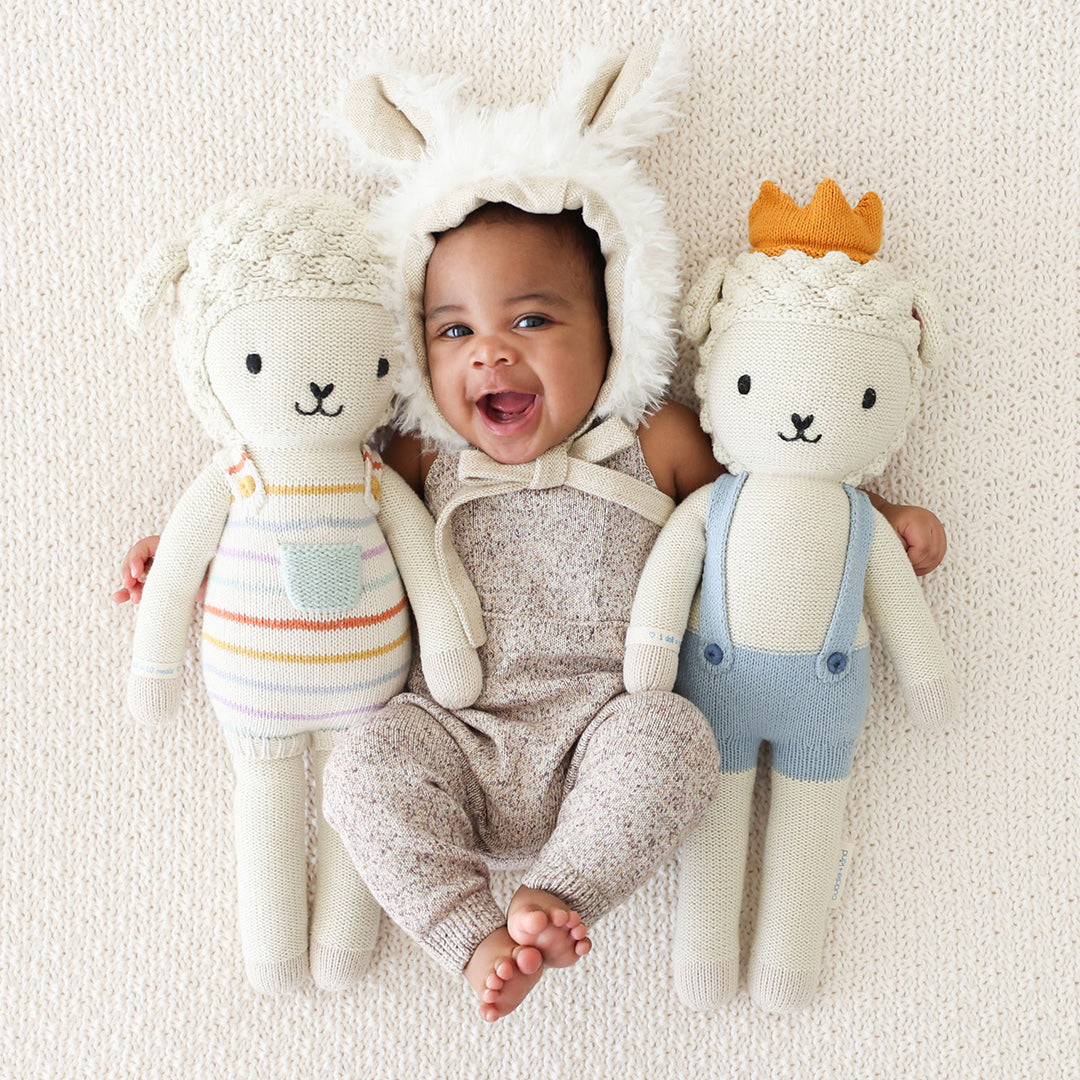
954, 952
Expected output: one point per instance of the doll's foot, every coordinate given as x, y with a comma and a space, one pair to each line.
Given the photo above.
705, 985
542, 920
502, 972
781, 990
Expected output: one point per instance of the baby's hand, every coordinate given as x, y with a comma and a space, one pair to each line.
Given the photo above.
135, 567
921, 532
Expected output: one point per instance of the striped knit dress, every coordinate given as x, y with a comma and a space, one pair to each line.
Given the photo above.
306, 627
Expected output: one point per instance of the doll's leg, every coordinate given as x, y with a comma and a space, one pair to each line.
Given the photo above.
344, 917
712, 865
798, 871
271, 868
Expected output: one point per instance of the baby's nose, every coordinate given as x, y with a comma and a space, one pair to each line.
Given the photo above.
492, 350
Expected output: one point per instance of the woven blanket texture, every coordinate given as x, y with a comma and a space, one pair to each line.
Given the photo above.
953, 950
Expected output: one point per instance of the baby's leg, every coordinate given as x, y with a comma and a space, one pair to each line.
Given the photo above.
270, 804
642, 775
400, 792
344, 917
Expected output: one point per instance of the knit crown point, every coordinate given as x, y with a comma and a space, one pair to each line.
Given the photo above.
828, 223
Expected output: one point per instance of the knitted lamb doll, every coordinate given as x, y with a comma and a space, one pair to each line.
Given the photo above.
285, 355
811, 355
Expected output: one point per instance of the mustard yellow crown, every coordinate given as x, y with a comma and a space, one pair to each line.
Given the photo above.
777, 224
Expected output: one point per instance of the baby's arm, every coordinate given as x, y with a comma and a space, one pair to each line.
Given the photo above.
908, 632
920, 531
179, 564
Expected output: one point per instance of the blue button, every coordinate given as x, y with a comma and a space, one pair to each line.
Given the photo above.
836, 663
714, 654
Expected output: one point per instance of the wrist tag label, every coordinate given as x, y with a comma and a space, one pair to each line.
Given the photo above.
155, 671
843, 872
646, 635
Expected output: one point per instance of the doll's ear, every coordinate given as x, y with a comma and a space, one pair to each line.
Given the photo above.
934, 345
630, 97
160, 269
701, 299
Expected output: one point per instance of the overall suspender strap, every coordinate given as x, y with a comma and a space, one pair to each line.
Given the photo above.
575, 464
713, 624
834, 660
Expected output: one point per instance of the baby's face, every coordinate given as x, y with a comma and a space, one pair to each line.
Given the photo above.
516, 346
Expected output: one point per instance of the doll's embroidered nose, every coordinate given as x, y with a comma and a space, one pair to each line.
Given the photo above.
801, 423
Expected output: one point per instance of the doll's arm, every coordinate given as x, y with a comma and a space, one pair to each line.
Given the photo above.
186, 548
908, 632
664, 594
451, 666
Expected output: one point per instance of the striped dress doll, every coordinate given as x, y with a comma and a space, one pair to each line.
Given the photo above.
285, 355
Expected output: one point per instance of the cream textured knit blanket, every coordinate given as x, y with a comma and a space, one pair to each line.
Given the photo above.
953, 949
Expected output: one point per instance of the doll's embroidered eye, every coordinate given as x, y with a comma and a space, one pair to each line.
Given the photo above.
254, 363
383, 368
744, 384
869, 398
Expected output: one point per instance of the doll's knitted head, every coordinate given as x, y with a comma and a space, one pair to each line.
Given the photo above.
575, 150
812, 351
280, 336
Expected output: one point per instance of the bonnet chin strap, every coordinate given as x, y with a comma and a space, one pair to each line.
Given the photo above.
574, 463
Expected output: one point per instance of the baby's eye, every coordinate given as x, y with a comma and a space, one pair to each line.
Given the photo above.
254, 363
456, 331
529, 322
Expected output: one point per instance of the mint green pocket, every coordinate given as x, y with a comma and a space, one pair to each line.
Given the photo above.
322, 577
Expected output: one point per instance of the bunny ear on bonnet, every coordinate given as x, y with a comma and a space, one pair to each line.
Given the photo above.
629, 97
391, 117
161, 268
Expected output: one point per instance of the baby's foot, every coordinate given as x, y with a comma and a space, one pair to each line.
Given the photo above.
542, 920
502, 972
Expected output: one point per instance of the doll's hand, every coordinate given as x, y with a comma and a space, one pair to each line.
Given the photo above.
932, 704
136, 566
649, 667
153, 699
453, 676
921, 533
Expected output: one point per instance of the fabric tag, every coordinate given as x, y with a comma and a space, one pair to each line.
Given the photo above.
843, 872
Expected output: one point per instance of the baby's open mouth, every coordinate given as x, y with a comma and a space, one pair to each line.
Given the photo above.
506, 407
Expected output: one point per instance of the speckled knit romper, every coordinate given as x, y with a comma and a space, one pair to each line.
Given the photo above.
555, 765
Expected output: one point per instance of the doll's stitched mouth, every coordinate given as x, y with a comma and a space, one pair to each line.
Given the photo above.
801, 424
321, 394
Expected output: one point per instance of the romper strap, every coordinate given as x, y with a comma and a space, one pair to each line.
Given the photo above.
713, 627
834, 660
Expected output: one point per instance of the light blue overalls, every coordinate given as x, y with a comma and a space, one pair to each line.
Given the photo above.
808, 705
